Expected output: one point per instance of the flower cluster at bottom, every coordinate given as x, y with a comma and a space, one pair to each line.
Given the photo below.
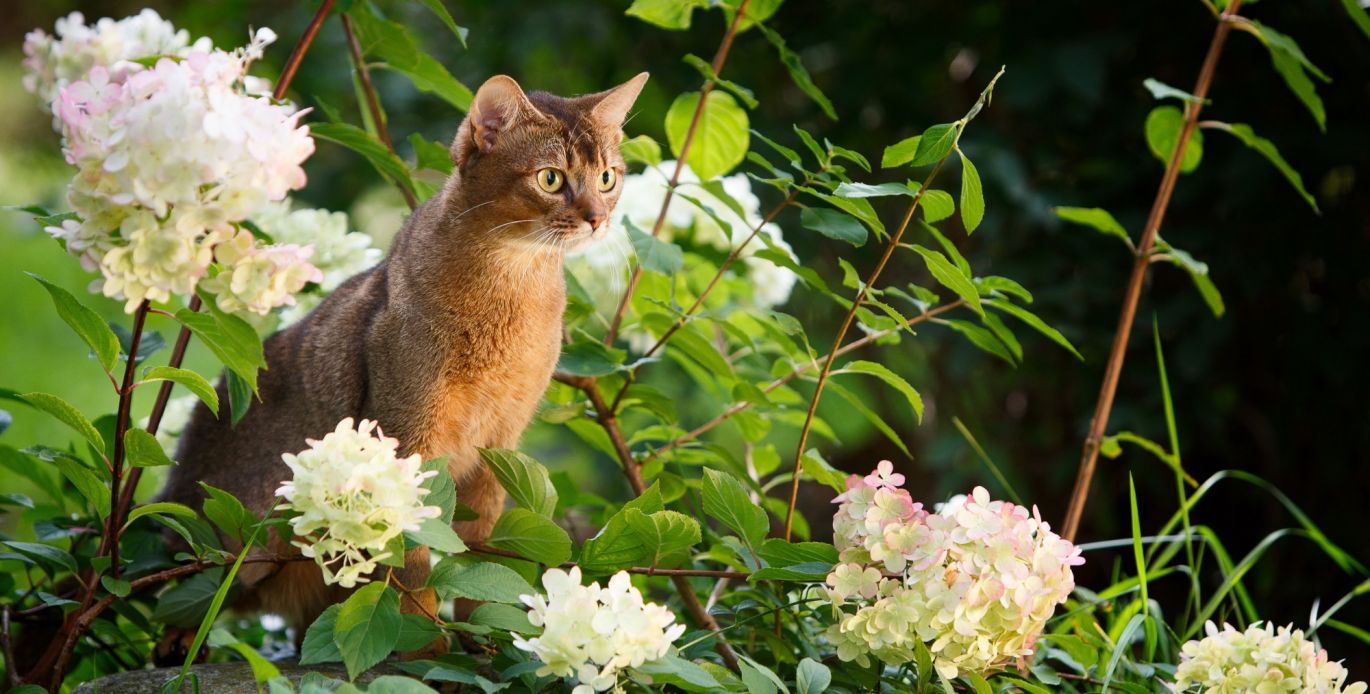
591, 633
1261, 659
974, 583
353, 490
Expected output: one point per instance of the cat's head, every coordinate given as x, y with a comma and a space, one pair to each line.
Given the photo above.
547, 167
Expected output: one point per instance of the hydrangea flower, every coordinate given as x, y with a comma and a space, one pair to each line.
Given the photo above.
602, 266
590, 633
975, 582
338, 253
170, 160
1261, 659
353, 496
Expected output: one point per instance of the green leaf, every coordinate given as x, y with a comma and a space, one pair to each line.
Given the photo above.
524, 478
93, 488
667, 14
666, 536
1198, 272
166, 508
441, 11
983, 339
707, 72
1095, 218
662, 257
891, 379
1160, 90
416, 631
319, 645
798, 73
391, 167
778, 552
239, 397
87, 324
759, 679
186, 604
641, 149
392, 43
1358, 15
834, 225
936, 143
937, 205
467, 577
142, 449
757, 11
900, 153
1295, 67
117, 587
721, 139
806, 572
46, 555
367, 627
503, 618
859, 406
728, 501
674, 670
951, 277
192, 381
1267, 149
978, 683
1035, 323
589, 357
438, 535
64, 412
972, 195
430, 155
532, 536
232, 340
229, 514
615, 545
812, 677
442, 489
1163, 127
867, 190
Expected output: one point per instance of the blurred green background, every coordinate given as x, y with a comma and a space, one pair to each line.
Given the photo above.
1277, 386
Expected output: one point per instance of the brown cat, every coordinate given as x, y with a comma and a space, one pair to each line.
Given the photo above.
448, 343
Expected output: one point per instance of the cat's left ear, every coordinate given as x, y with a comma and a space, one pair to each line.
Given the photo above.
612, 108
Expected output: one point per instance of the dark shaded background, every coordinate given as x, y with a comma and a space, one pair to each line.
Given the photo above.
1276, 387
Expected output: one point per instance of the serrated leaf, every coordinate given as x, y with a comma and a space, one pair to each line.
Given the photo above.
834, 225
228, 513
721, 138
232, 340
142, 449
86, 323
438, 535
525, 479
891, 379
1034, 322
951, 277
367, 627
95, 491
391, 167
972, 195
615, 546
662, 257
532, 536
937, 205
728, 501
1095, 218
935, 144
466, 577
641, 150
666, 536
502, 617
392, 43
590, 357
186, 604
900, 153
67, 414
795, 66
667, 14
1163, 128
1267, 149
192, 381
442, 489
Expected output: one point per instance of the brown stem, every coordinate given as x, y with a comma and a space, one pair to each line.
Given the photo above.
841, 335
301, 47
720, 57
1114, 368
110, 541
373, 104
795, 373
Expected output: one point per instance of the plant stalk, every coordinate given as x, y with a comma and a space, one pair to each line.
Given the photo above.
373, 103
1113, 370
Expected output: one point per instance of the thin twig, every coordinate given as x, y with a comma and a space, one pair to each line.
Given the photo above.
110, 541
720, 57
301, 47
1114, 368
842, 334
373, 103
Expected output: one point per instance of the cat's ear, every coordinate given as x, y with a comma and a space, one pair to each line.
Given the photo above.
496, 108
612, 107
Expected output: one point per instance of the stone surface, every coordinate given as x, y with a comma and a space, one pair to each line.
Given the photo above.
216, 678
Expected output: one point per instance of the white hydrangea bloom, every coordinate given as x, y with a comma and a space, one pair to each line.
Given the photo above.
259, 279
601, 267
170, 159
354, 496
1261, 659
975, 582
53, 62
590, 633
338, 253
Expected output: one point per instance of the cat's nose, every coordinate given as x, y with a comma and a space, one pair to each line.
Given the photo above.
596, 219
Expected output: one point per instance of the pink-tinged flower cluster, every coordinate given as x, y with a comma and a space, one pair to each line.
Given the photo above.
171, 159
975, 583
260, 279
1261, 659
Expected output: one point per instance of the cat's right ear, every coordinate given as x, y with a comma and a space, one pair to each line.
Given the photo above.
496, 108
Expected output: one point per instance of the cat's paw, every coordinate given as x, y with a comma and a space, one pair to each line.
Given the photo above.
171, 651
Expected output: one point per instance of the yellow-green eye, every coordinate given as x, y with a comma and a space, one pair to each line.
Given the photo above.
551, 180
607, 179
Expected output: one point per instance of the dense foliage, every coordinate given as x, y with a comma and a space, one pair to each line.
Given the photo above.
965, 596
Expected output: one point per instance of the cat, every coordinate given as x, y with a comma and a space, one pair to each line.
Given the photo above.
448, 343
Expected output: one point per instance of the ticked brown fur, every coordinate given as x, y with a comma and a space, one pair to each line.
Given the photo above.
448, 343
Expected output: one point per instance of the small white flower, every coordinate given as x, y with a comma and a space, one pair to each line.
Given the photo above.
354, 495
590, 633
1259, 659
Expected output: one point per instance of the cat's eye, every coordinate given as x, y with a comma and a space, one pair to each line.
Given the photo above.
551, 180
607, 180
